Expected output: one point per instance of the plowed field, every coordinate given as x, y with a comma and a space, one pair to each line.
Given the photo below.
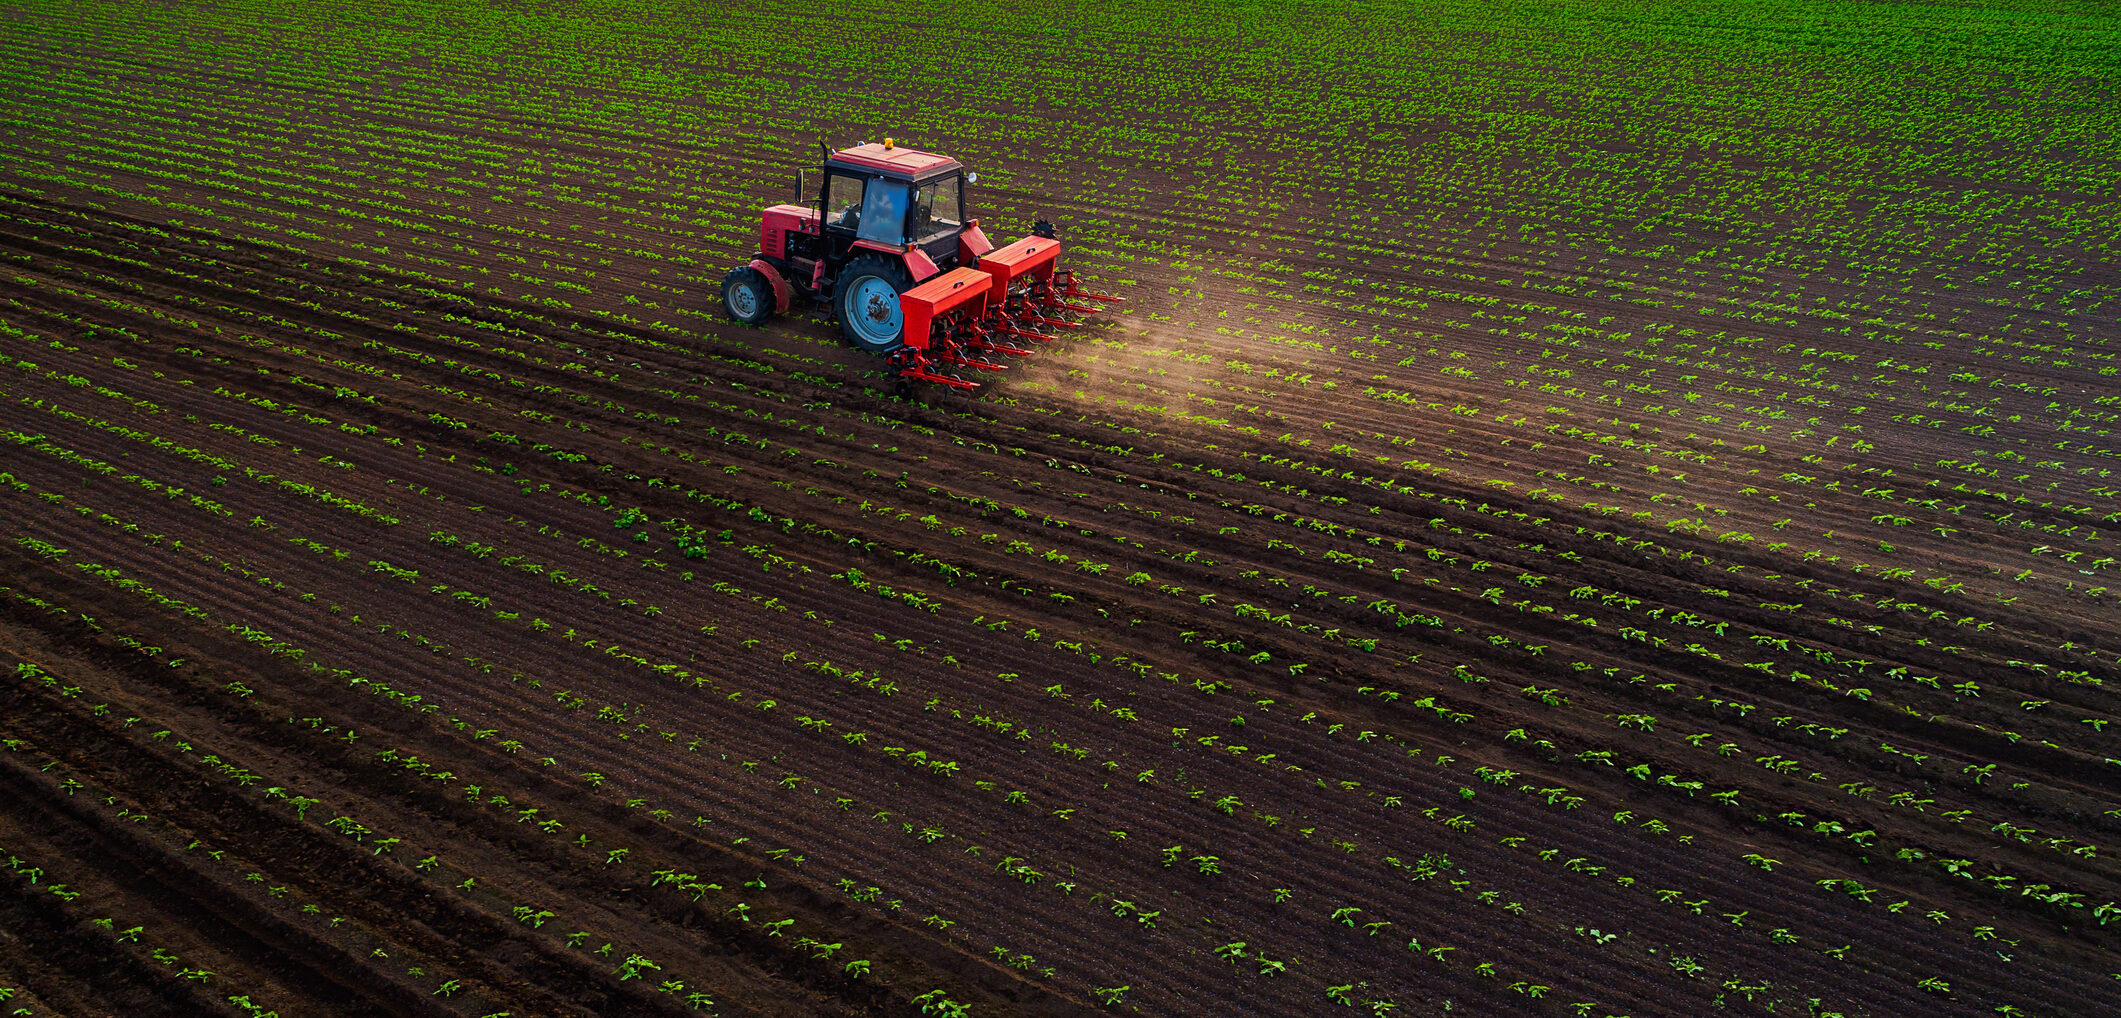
1553, 532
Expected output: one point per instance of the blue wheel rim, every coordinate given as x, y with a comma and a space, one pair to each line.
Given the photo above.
743, 299
872, 312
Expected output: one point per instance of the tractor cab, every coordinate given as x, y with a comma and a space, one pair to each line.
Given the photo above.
894, 197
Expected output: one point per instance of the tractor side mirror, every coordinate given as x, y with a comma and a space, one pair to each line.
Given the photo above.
971, 178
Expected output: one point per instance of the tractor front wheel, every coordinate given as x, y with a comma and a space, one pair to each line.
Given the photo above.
746, 296
868, 305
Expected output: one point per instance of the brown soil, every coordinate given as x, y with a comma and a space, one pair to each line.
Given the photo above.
388, 643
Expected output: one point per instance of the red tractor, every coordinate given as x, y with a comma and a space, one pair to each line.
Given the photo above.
888, 246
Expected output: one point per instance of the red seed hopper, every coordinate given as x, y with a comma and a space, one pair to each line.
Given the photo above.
1014, 297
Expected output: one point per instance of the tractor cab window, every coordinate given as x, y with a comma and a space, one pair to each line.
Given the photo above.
884, 213
938, 210
843, 201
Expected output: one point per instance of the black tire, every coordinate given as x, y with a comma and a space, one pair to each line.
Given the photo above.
746, 295
866, 300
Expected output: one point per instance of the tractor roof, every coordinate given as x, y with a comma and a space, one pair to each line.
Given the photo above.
898, 160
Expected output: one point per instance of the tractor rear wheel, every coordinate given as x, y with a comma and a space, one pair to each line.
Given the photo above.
868, 305
746, 296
